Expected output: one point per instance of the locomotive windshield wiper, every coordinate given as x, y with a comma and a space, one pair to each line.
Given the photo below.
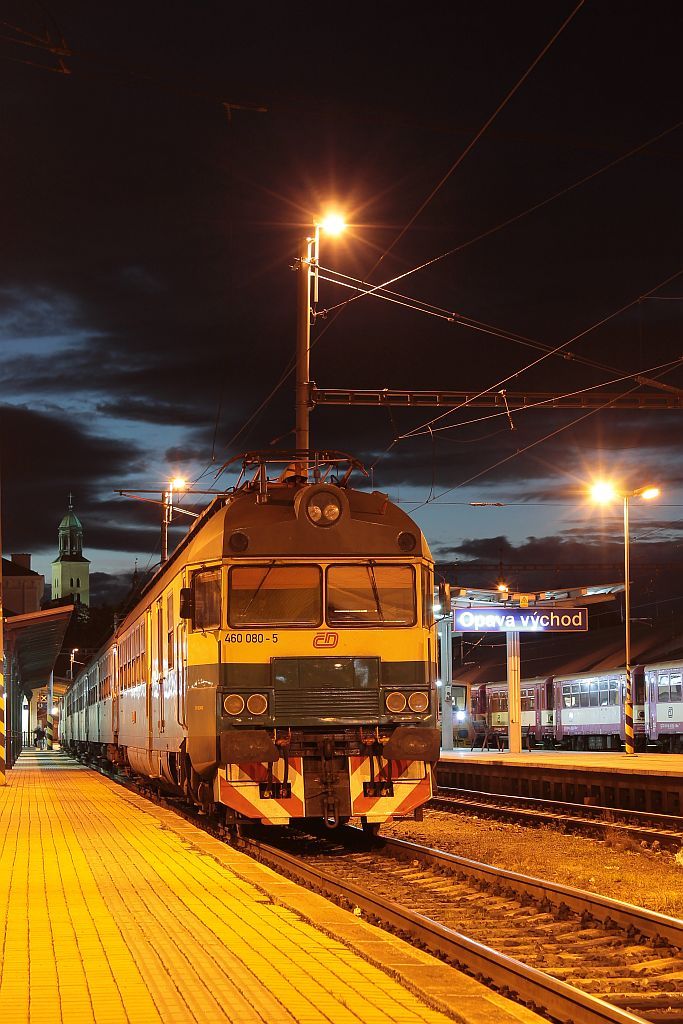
258, 589
375, 591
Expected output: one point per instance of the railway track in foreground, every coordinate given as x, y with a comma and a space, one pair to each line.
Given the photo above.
666, 830
569, 954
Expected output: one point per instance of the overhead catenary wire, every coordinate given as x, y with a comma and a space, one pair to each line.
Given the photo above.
372, 289
289, 369
553, 351
484, 128
511, 220
522, 451
544, 401
430, 423
468, 322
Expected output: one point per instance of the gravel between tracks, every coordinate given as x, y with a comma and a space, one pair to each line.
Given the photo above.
617, 868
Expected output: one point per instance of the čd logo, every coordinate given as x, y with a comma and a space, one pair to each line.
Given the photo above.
326, 639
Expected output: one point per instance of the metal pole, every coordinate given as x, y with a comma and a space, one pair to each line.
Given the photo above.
514, 693
628, 702
445, 630
303, 352
164, 526
3, 733
50, 722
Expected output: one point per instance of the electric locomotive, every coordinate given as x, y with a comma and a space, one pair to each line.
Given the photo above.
282, 663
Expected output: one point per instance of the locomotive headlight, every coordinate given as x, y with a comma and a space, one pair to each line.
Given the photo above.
418, 702
257, 704
331, 512
234, 704
395, 702
323, 508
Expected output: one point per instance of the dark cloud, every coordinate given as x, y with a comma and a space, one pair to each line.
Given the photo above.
148, 238
109, 588
45, 457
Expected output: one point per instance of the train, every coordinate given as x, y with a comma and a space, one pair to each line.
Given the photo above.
585, 710
281, 664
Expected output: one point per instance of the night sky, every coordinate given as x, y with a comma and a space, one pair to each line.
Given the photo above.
147, 307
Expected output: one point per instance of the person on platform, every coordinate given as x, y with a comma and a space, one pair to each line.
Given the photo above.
37, 736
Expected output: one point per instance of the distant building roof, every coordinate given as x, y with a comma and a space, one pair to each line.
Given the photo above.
70, 521
15, 569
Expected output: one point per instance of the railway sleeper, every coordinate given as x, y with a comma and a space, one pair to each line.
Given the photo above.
638, 1002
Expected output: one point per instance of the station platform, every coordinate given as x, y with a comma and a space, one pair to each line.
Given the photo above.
640, 782
116, 911
587, 760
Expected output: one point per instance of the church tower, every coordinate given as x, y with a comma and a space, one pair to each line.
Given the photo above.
70, 570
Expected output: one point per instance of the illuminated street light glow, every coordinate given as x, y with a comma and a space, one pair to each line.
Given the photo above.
503, 588
333, 224
178, 484
604, 491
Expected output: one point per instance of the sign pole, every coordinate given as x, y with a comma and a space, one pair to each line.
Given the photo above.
446, 692
49, 718
514, 692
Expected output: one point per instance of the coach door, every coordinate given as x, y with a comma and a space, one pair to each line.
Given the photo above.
181, 673
159, 715
148, 678
115, 690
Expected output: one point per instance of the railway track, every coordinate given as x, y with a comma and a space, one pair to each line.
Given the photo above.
569, 954
640, 826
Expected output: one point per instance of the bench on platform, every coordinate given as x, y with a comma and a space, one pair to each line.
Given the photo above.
500, 740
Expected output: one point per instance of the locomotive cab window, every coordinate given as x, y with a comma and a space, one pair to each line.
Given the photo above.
371, 595
275, 595
207, 600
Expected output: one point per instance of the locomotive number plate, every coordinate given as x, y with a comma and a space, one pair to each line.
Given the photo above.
250, 638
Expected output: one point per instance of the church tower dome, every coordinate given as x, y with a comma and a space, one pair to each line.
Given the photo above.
70, 570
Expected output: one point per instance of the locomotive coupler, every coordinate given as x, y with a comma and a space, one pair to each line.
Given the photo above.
382, 785
283, 744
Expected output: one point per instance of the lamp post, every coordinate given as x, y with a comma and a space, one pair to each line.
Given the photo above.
603, 493
177, 484
72, 659
307, 266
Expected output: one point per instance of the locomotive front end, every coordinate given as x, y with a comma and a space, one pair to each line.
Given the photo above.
324, 703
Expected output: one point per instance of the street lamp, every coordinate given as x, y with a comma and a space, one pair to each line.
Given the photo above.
176, 484
307, 264
603, 492
72, 659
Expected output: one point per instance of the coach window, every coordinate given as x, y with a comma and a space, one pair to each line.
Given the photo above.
207, 600
663, 687
169, 632
676, 688
275, 595
371, 595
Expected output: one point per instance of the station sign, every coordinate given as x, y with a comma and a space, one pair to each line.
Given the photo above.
499, 619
